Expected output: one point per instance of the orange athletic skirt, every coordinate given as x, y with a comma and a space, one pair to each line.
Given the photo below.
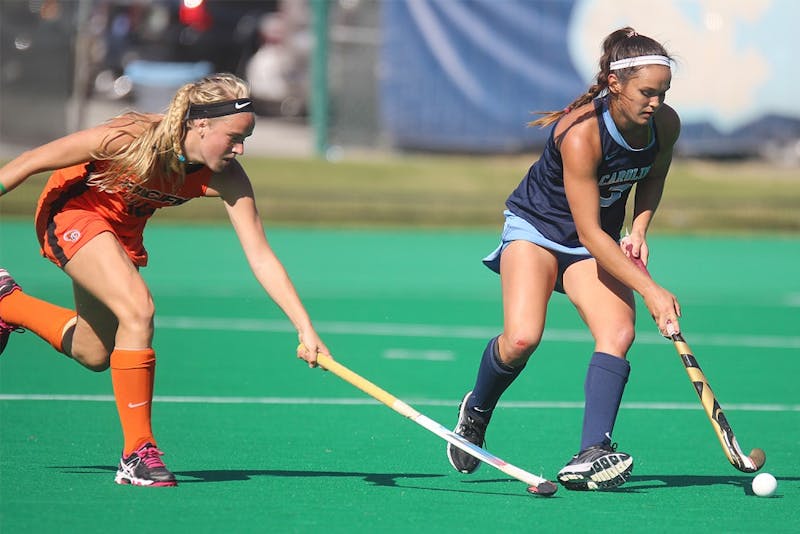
70, 230
70, 213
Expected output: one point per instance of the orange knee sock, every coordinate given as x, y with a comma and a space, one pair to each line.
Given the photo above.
132, 374
46, 320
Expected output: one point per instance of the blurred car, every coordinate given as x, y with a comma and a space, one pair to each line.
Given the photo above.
222, 32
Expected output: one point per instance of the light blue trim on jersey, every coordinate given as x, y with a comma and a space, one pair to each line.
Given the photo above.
611, 126
515, 229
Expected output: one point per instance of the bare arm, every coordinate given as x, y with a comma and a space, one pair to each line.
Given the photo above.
649, 191
65, 151
236, 191
581, 154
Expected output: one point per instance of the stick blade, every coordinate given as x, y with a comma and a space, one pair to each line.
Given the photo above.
759, 457
545, 489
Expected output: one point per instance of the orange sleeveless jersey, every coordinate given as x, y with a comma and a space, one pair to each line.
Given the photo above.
70, 212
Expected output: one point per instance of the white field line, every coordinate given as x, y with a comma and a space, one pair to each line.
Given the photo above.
429, 355
321, 401
459, 332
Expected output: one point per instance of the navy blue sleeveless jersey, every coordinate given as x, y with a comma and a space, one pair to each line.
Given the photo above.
540, 197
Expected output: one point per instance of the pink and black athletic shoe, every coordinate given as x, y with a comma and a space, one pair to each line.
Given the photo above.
7, 285
143, 467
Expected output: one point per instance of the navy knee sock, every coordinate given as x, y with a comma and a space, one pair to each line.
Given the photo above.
494, 377
605, 383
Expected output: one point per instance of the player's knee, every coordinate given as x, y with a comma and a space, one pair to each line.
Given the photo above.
626, 335
619, 339
97, 367
97, 361
137, 314
519, 346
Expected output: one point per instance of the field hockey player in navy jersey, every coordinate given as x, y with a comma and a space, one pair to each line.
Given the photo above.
562, 233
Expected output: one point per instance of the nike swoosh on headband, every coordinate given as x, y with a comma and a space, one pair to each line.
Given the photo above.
219, 109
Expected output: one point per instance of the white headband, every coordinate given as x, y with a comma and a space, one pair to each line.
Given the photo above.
639, 60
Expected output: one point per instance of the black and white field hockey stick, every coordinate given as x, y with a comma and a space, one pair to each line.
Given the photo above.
536, 485
738, 459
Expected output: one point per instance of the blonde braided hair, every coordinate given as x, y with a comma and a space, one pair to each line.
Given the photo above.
157, 152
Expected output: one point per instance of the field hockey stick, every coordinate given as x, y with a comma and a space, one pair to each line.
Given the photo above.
536, 485
738, 459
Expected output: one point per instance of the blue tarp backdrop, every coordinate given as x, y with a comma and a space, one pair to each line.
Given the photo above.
468, 75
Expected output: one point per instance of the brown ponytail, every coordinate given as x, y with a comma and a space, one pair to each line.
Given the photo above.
620, 44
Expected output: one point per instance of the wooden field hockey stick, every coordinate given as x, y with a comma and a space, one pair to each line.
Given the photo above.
745, 463
738, 459
536, 485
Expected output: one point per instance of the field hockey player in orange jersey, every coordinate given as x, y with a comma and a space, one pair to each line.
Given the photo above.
90, 218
